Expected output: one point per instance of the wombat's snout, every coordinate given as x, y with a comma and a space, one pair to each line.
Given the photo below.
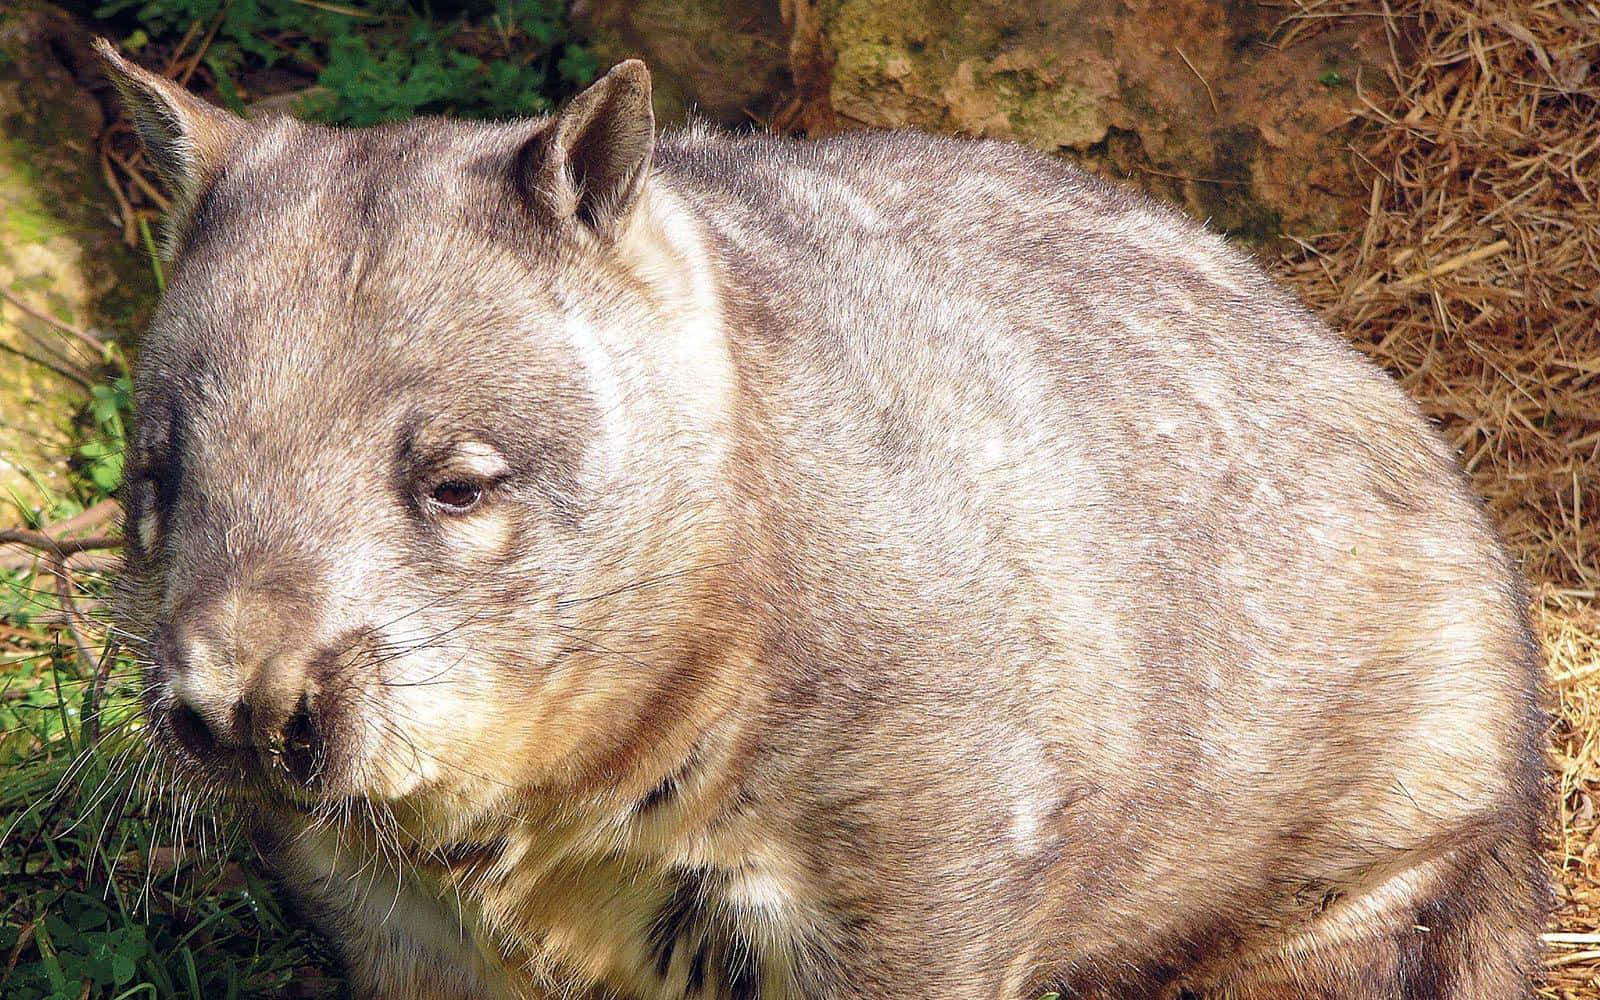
207, 732
244, 709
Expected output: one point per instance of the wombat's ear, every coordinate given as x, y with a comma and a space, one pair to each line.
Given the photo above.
186, 138
590, 162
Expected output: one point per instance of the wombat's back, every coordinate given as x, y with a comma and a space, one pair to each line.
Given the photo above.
1170, 564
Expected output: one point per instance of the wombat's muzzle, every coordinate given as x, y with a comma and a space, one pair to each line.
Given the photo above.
239, 705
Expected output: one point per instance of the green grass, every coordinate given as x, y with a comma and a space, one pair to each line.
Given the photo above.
112, 885
371, 60
107, 893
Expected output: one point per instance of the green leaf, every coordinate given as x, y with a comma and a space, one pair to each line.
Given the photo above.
122, 969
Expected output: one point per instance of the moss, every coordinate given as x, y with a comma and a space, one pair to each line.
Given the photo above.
929, 39
1052, 114
26, 219
59, 251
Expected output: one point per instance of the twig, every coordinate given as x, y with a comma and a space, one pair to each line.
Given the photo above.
199, 53
50, 365
161, 200
183, 43
97, 690
334, 8
129, 231
1571, 959
49, 320
58, 567
1209, 95
57, 547
90, 517
24, 939
1194, 178
1455, 263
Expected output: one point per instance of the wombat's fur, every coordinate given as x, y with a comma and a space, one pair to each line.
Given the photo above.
736, 567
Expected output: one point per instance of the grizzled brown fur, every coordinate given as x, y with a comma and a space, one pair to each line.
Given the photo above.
736, 567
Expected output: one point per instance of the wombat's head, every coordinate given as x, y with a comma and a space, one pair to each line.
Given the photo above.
422, 492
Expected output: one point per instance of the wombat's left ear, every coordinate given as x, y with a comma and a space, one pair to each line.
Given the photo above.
186, 138
590, 162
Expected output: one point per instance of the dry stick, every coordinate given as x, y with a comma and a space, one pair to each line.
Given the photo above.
90, 517
57, 550
183, 43
1209, 95
334, 8
129, 230
57, 547
49, 320
205, 43
24, 939
1571, 959
1455, 263
58, 567
97, 690
26, 557
149, 189
46, 363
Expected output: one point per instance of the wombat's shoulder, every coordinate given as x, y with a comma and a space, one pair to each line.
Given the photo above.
976, 219
896, 163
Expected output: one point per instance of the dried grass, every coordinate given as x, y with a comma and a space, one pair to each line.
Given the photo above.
1570, 628
1476, 280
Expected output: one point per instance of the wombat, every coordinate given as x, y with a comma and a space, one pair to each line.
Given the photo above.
739, 567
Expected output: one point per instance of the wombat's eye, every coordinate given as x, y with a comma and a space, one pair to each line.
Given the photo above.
456, 496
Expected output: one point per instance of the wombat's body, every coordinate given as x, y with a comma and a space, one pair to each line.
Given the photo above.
884, 566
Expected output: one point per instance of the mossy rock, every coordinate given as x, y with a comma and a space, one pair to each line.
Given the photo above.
60, 249
1184, 98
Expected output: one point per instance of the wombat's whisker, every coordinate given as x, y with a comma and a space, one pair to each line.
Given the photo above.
656, 580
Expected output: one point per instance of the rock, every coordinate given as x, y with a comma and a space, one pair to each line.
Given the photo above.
1194, 100
60, 248
725, 60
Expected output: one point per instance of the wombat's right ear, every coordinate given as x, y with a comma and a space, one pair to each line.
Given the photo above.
186, 139
589, 163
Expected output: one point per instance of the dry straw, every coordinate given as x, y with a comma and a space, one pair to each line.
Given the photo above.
1476, 280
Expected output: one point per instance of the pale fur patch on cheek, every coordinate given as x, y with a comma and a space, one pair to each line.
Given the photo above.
481, 533
149, 529
443, 717
398, 765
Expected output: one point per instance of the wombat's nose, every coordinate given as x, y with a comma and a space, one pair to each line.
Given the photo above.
230, 730
229, 700
287, 741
